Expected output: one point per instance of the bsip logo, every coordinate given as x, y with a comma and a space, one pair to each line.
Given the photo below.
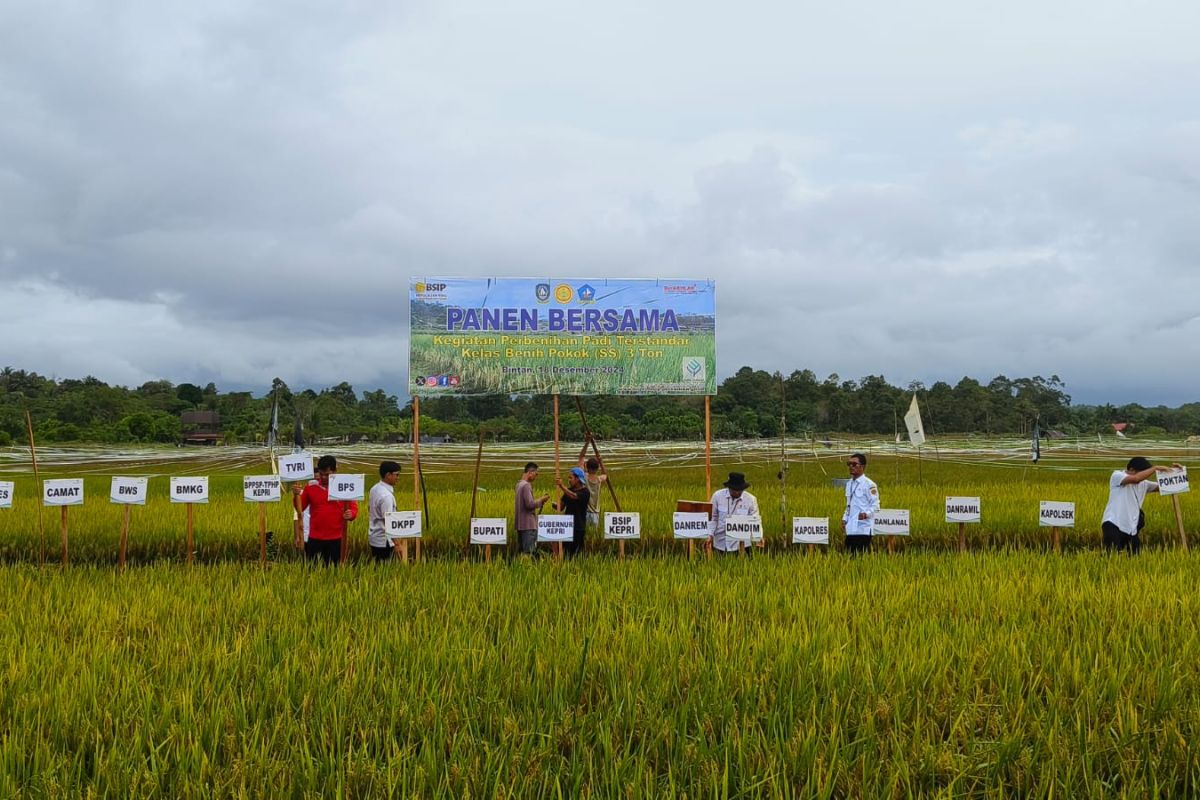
422, 288
695, 368
542, 291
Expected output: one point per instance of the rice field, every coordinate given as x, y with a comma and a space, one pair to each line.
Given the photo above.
1006, 672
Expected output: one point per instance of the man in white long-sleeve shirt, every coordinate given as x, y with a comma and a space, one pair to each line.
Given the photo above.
862, 501
733, 500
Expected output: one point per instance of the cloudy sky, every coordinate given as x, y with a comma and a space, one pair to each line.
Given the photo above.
231, 191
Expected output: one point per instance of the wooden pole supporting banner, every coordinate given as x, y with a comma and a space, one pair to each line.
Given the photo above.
124, 537
1183, 542
707, 462
262, 534
66, 559
37, 479
416, 469
621, 550
1057, 540
590, 439
190, 549
891, 544
558, 546
487, 553
962, 537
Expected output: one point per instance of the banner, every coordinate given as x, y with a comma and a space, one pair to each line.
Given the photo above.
963, 509
296, 467
6, 493
346, 486
128, 491
691, 525
562, 336
743, 528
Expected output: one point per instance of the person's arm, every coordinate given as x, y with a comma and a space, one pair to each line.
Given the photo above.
525, 497
583, 457
565, 489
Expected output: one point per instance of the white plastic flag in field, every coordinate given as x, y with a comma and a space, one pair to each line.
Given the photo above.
912, 421
128, 491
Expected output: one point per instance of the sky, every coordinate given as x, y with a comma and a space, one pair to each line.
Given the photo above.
234, 191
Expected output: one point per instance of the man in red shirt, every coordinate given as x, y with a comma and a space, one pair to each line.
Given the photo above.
327, 518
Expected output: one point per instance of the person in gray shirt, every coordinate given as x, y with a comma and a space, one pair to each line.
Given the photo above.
527, 509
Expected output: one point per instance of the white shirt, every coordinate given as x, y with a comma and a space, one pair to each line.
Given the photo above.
1125, 502
725, 506
381, 501
862, 497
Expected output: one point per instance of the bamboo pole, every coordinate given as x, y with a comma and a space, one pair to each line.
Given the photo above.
962, 537
38, 480
1057, 540
707, 464
124, 537
590, 439
416, 434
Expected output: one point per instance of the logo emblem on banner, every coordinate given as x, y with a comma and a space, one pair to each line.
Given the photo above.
542, 290
563, 293
694, 369
587, 294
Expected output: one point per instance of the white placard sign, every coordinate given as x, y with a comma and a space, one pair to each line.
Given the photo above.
743, 527
260, 488
128, 491
555, 527
346, 487
622, 525
690, 525
189, 490
962, 509
892, 522
489, 530
296, 467
810, 530
7, 490
402, 524
63, 492
1052, 514
1173, 482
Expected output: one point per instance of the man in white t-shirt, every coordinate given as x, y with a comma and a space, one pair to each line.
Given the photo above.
1126, 491
381, 502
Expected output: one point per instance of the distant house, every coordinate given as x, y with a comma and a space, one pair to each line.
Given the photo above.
427, 439
201, 427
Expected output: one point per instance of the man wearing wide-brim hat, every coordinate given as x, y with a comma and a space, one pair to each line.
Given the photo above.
731, 501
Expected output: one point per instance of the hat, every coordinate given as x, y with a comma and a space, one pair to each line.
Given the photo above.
736, 481
578, 473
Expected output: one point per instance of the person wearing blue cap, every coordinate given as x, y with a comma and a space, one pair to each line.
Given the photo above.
574, 502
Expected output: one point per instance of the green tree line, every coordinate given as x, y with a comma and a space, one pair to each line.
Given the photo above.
749, 404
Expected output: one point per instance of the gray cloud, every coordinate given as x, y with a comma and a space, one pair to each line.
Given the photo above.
231, 193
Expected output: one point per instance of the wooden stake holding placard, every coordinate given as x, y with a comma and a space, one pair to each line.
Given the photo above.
558, 546
1172, 484
963, 510
127, 492
1056, 516
707, 466
189, 490
487, 549
64, 492
37, 479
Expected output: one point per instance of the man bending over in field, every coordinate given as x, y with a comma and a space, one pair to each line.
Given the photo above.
328, 518
1127, 491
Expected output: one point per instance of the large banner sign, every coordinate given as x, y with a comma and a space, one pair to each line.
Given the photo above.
564, 336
